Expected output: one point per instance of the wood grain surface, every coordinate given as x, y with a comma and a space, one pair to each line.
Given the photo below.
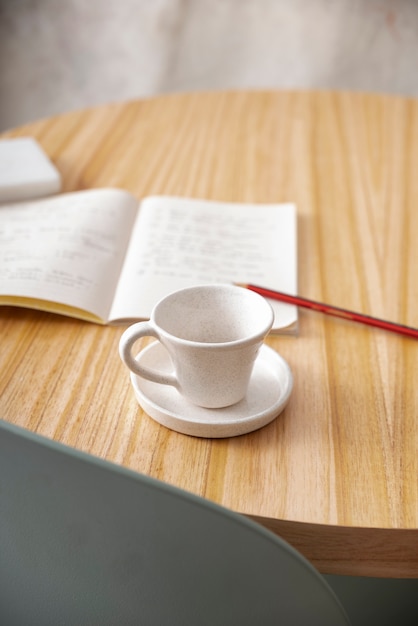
336, 474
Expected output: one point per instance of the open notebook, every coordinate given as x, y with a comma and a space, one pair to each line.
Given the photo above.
102, 256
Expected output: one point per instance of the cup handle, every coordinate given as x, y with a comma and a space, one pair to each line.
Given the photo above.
129, 337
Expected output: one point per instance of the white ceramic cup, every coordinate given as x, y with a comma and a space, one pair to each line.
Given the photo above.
213, 334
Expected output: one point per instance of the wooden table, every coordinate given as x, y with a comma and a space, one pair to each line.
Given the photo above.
337, 473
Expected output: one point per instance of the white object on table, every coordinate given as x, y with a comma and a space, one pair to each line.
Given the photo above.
26, 171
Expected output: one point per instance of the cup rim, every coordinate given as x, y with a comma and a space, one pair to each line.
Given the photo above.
222, 345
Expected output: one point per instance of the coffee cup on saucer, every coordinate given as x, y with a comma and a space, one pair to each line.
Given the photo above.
212, 334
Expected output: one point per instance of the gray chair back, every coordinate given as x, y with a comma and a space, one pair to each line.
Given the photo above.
86, 542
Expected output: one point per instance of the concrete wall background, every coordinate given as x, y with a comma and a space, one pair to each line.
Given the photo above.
58, 55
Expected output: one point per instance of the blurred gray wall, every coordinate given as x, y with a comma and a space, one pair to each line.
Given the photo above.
58, 55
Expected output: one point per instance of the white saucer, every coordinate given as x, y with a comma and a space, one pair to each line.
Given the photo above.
268, 392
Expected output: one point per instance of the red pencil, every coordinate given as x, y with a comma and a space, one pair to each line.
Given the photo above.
334, 310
